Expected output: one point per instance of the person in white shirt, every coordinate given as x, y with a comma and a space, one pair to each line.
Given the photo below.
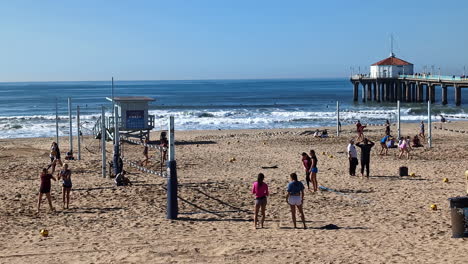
352, 157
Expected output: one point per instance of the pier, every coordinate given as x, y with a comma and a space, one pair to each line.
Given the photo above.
406, 88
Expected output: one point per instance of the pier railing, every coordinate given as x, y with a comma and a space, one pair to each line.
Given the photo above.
435, 77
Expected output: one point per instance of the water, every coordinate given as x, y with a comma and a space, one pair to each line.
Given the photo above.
28, 109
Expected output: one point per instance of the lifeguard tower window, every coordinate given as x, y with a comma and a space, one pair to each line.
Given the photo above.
133, 113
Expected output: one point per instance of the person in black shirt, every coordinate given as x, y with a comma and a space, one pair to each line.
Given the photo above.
365, 147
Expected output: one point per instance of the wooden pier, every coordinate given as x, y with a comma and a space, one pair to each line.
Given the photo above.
407, 88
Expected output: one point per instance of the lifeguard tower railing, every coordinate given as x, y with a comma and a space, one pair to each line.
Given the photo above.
109, 123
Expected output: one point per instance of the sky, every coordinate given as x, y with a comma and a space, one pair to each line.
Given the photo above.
223, 39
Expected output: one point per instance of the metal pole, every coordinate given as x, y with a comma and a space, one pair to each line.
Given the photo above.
337, 118
78, 130
113, 104
71, 126
116, 126
103, 141
398, 119
172, 207
429, 124
56, 122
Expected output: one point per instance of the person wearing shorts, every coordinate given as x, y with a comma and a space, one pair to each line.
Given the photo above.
383, 145
65, 175
313, 169
295, 198
403, 145
45, 189
260, 190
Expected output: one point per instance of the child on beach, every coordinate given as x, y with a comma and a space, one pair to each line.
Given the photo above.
260, 190
307, 163
65, 175
295, 198
313, 169
403, 146
45, 189
352, 156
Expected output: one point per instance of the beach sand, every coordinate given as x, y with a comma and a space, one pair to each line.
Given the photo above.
384, 219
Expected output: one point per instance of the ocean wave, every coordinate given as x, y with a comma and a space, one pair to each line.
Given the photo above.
190, 119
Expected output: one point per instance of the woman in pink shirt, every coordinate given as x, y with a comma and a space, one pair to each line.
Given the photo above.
260, 190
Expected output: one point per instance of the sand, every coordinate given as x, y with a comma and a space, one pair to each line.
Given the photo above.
384, 219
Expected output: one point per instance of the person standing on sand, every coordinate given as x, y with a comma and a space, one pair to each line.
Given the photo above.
421, 131
366, 148
307, 163
313, 169
164, 145
295, 198
65, 175
260, 190
45, 189
352, 156
387, 128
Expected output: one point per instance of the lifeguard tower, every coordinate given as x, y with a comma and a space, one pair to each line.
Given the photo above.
132, 118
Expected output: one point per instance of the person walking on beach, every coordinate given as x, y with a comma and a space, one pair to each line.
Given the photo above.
307, 163
260, 190
45, 189
366, 148
65, 175
352, 156
295, 198
313, 169
383, 145
421, 130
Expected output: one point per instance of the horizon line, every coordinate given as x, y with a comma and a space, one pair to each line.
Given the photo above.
207, 79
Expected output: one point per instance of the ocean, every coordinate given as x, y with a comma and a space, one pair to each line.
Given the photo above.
28, 109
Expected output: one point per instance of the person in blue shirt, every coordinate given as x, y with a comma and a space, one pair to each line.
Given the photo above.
383, 145
295, 198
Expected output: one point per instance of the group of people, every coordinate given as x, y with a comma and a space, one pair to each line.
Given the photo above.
163, 144
294, 197
46, 184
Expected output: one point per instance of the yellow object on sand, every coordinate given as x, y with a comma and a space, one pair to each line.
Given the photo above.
434, 207
445, 180
412, 174
232, 160
330, 156
466, 174
44, 232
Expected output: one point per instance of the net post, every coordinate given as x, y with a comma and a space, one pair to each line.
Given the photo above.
56, 121
337, 118
70, 121
78, 130
172, 206
103, 141
398, 119
429, 123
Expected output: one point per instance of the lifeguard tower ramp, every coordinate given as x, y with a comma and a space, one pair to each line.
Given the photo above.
132, 118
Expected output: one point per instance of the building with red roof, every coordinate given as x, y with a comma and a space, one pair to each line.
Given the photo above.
391, 67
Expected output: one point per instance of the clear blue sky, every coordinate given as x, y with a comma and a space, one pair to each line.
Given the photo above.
150, 40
